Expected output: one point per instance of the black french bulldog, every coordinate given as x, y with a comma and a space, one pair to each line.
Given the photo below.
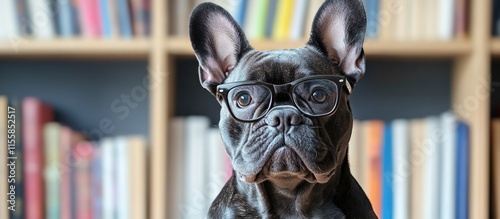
285, 120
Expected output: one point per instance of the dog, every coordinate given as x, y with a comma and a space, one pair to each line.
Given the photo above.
285, 115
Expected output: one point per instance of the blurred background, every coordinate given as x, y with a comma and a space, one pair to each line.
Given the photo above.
103, 116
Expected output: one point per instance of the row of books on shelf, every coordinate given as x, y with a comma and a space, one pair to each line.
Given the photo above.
55, 172
48, 19
292, 19
415, 168
198, 167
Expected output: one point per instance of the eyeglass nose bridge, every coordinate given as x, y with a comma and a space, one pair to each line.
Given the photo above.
282, 88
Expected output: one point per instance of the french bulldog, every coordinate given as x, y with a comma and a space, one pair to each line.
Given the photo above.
285, 115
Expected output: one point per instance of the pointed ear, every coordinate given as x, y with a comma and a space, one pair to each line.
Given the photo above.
218, 43
338, 31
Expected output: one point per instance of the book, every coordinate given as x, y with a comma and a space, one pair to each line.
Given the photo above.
41, 19
240, 12
124, 19
282, 21
65, 168
417, 167
313, 7
18, 153
448, 164
23, 18
121, 153
354, 153
180, 22
374, 140
4, 169
65, 21
108, 178
35, 115
495, 168
388, 174
90, 18
175, 167
255, 18
463, 174
138, 17
106, 18
401, 168
83, 154
137, 177
96, 184
51, 170
76, 138
216, 164
298, 19
195, 203
461, 17
270, 15
8, 16
432, 169
372, 18
445, 19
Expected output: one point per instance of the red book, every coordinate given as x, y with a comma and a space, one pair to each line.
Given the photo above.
90, 18
374, 141
34, 115
82, 153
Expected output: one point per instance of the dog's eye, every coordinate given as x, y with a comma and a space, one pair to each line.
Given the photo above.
243, 99
319, 96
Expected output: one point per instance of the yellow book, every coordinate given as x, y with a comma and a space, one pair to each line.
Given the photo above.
283, 20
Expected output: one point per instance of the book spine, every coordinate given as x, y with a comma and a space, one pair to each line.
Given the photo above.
137, 177
354, 154
241, 9
124, 19
417, 160
90, 18
462, 189
298, 20
432, 168
445, 19
216, 163
108, 178
138, 17
270, 16
282, 21
374, 147
176, 167
96, 174
41, 19
196, 203
64, 22
104, 8
51, 169
372, 18
388, 184
83, 156
35, 115
401, 177
121, 164
65, 169
448, 165
10, 24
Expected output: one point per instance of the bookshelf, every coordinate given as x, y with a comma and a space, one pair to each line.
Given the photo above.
470, 58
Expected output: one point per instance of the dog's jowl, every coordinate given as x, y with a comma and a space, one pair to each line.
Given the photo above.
285, 116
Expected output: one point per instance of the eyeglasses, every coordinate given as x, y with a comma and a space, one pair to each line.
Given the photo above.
314, 96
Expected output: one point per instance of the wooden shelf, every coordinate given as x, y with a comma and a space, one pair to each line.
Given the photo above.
495, 47
430, 49
75, 48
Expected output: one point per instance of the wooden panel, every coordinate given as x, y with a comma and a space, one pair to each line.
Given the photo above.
431, 49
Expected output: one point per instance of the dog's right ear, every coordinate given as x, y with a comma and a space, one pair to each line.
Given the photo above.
218, 43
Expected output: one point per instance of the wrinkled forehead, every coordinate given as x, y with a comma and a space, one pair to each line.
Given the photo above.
282, 66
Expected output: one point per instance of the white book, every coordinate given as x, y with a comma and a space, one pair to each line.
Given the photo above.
122, 176
414, 19
445, 19
41, 19
251, 22
298, 19
417, 160
432, 169
216, 164
312, 8
195, 194
108, 180
181, 11
8, 16
400, 160
430, 19
176, 167
355, 152
365, 157
448, 164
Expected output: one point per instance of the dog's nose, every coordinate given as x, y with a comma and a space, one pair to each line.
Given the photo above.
283, 117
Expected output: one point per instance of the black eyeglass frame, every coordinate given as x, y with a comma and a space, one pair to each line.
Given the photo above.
340, 81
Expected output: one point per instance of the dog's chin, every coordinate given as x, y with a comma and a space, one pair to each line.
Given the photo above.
285, 165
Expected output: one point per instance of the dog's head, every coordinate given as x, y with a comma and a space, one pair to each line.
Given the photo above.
285, 114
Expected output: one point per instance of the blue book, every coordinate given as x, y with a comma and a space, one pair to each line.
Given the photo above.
387, 173
105, 18
462, 189
96, 187
271, 14
240, 12
372, 9
65, 23
124, 19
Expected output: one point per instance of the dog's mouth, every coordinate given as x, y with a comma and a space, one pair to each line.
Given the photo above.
285, 164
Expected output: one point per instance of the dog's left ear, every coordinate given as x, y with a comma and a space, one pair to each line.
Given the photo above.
338, 31
218, 43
